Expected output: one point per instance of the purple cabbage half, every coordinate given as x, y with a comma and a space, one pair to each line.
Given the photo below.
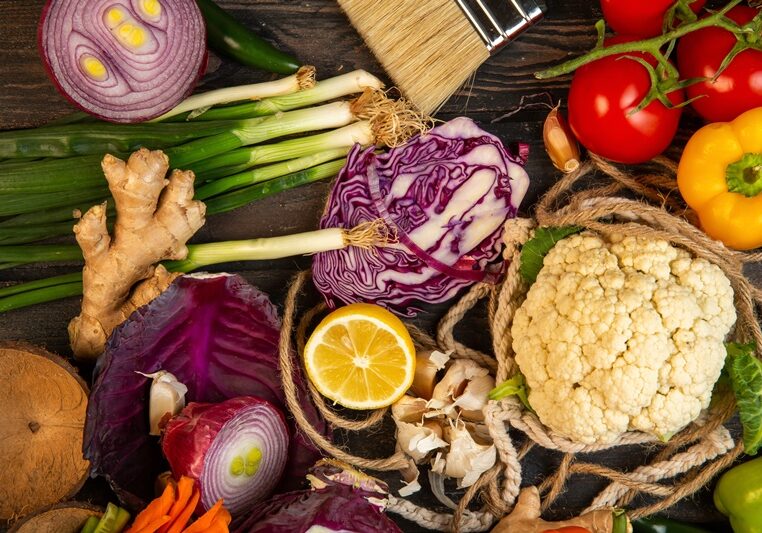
219, 336
341, 500
447, 195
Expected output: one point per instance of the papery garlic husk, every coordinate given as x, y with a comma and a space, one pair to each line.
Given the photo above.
417, 441
409, 409
166, 399
466, 460
427, 364
560, 142
436, 482
410, 479
475, 397
456, 378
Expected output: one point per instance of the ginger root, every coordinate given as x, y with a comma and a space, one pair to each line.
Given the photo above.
525, 518
155, 217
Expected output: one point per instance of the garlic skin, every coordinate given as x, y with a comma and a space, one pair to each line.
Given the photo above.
409, 409
467, 460
417, 440
427, 364
167, 398
446, 428
560, 142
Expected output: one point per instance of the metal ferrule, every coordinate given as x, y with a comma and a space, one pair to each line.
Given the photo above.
499, 21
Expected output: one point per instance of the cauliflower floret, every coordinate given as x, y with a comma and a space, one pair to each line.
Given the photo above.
621, 334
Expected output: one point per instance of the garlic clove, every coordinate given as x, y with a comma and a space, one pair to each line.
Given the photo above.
166, 399
427, 364
474, 396
466, 459
410, 480
409, 409
560, 142
454, 382
417, 441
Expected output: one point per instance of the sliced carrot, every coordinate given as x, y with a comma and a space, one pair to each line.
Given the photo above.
153, 526
224, 515
179, 523
184, 493
156, 509
219, 525
205, 520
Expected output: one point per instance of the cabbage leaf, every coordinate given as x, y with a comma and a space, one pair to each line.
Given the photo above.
219, 336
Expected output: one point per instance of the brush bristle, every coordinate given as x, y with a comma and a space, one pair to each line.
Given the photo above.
428, 47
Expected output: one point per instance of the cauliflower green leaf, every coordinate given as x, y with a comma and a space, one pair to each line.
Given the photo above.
746, 376
515, 386
535, 249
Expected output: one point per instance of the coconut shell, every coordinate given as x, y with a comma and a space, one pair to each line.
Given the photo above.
43, 403
68, 517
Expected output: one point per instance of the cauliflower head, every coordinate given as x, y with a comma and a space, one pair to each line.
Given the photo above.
622, 333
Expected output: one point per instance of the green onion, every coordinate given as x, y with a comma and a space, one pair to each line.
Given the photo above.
257, 130
365, 235
242, 197
266, 173
236, 161
323, 91
101, 137
304, 79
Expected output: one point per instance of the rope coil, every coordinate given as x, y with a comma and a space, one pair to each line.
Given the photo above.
681, 467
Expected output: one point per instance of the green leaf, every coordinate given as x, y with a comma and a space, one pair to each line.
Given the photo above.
516, 386
535, 249
745, 372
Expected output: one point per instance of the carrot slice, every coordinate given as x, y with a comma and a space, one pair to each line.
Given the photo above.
184, 493
157, 508
205, 520
219, 525
151, 527
179, 523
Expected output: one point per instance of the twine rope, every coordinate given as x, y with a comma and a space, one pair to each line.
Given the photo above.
680, 467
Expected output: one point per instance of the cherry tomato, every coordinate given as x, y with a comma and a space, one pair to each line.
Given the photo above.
738, 88
568, 529
639, 18
603, 95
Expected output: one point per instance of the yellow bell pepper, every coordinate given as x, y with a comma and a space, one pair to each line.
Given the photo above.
720, 177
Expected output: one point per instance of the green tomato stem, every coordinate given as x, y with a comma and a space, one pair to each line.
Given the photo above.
651, 46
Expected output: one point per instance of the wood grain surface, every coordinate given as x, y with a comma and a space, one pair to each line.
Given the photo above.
318, 33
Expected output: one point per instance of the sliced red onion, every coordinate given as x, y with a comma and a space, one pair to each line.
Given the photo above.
236, 450
123, 60
447, 195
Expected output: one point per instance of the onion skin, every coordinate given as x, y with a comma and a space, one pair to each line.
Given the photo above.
205, 443
137, 84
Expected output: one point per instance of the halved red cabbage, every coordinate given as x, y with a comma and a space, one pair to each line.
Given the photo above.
341, 500
219, 336
447, 194
236, 450
123, 60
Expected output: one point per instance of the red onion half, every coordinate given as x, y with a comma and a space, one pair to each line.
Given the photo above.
236, 450
123, 60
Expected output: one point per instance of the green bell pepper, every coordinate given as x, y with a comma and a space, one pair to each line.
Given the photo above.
738, 495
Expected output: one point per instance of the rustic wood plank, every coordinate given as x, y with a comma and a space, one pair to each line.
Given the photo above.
319, 33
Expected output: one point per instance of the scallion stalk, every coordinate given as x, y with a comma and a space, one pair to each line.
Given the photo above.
257, 130
366, 235
323, 91
244, 158
302, 80
242, 197
102, 137
265, 173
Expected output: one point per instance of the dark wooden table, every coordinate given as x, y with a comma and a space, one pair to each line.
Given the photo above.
319, 34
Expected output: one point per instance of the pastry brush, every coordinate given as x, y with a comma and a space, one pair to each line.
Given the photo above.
430, 48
